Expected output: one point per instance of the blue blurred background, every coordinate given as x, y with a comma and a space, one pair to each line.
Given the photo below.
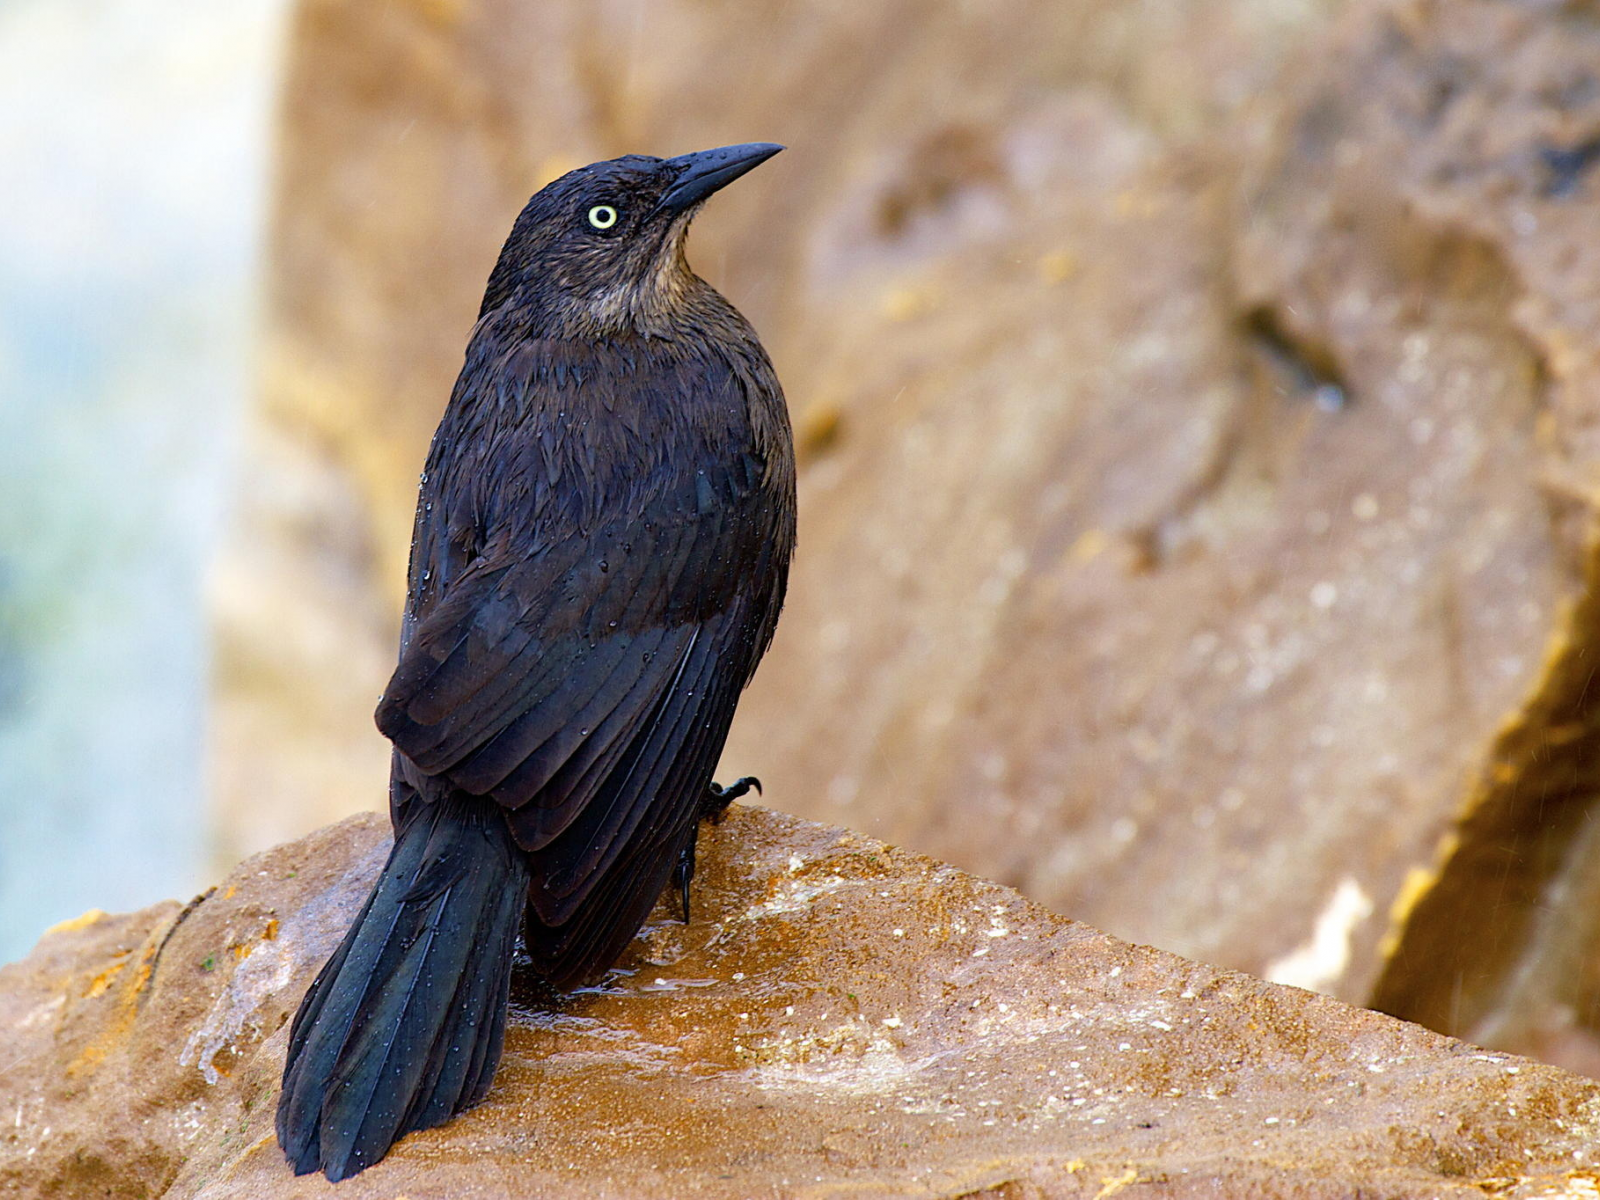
133, 160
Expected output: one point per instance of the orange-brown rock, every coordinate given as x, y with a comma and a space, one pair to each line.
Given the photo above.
1196, 519
841, 1019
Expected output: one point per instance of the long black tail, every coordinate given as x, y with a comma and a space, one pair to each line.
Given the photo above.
404, 1026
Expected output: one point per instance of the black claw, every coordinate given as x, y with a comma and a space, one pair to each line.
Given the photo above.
720, 797
684, 871
681, 876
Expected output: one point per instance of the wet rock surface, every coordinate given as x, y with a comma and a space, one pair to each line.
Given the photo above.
841, 1018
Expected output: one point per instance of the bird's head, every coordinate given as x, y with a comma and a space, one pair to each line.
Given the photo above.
600, 250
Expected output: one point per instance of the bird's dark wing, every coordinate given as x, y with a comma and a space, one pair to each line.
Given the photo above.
595, 885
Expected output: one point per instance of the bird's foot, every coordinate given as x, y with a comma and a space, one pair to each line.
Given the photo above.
715, 803
718, 797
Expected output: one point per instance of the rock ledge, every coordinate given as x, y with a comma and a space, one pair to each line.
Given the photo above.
842, 1018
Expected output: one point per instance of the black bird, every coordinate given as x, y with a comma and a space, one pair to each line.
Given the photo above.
601, 548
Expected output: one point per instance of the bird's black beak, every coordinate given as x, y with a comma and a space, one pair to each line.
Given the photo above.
703, 173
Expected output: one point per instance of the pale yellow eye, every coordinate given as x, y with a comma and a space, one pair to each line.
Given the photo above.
602, 216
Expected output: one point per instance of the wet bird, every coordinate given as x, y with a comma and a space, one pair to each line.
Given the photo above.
601, 547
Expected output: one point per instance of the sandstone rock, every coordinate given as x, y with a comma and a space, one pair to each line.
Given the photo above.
842, 1018
1196, 517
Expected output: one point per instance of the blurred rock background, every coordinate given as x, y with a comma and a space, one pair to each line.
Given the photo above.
1197, 405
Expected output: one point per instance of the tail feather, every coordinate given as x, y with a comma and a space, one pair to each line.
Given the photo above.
404, 1026
329, 1013
467, 1049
